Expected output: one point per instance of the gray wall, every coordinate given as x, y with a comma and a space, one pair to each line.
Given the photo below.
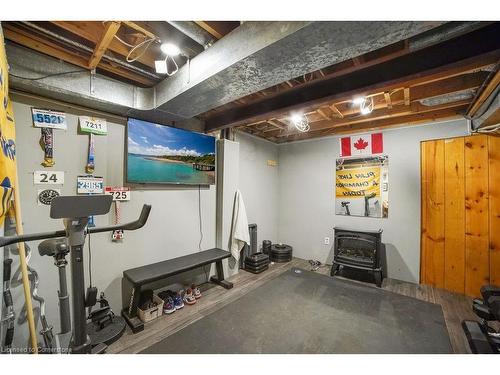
259, 183
172, 229
306, 196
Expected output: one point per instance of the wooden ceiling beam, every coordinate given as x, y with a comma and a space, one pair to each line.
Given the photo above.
466, 66
336, 111
323, 114
277, 123
140, 29
26, 39
381, 114
484, 93
406, 91
209, 28
91, 30
408, 120
448, 85
388, 101
435, 88
47, 47
109, 33
409, 69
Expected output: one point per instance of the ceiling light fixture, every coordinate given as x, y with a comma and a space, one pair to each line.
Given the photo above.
366, 106
359, 100
161, 66
300, 122
170, 49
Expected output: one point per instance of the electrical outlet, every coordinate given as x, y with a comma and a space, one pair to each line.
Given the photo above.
327, 240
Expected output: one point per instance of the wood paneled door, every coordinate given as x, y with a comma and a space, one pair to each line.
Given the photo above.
460, 208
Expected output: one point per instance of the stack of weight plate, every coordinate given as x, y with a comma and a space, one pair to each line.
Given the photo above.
281, 253
257, 263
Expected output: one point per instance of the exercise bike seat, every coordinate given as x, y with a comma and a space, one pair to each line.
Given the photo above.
53, 247
488, 291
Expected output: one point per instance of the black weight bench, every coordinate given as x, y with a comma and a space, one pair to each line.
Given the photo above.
135, 278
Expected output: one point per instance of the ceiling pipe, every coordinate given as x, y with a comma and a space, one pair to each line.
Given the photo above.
193, 31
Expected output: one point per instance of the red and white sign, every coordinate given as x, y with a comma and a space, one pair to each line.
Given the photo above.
364, 144
118, 193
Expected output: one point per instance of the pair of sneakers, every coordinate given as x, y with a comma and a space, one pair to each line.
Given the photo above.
191, 295
172, 301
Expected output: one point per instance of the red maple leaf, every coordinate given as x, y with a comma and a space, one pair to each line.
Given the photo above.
360, 144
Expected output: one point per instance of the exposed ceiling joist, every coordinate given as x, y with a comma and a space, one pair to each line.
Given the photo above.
218, 28
102, 45
91, 31
411, 119
387, 96
406, 91
444, 57
381, 114
140, 29
81, 59
484, 93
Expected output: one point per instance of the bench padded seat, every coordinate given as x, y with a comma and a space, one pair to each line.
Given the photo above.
161, 270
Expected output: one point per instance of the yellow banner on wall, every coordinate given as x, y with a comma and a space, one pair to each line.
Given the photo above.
357, 182
7, 135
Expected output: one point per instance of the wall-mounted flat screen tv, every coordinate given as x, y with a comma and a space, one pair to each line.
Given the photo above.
160, 154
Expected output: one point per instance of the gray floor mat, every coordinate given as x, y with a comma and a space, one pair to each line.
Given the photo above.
305, 312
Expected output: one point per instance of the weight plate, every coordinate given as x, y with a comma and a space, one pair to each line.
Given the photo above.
256, 264
281, 258
281, 248
258, 271
281, 255
256, 268
257, 257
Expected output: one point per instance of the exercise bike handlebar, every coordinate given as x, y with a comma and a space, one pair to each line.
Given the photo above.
133, 225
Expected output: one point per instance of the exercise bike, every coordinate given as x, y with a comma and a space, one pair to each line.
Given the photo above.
75, 211
482, 337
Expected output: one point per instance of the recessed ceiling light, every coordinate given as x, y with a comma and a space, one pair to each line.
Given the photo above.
170, 49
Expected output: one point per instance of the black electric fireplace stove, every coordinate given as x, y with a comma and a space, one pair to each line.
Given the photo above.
362, 250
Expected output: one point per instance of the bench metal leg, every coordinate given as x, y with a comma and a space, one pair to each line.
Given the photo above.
219, 279
131, 302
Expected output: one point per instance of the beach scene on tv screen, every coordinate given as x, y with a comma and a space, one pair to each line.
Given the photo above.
162, 154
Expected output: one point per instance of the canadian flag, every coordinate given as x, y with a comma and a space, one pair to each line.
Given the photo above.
364, 144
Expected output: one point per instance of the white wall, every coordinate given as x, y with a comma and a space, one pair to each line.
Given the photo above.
259, 183
306, 196
172, 229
